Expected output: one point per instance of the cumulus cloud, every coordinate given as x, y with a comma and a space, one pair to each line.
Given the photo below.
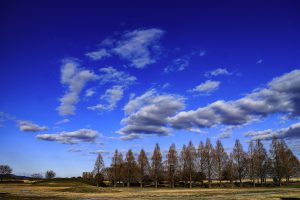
291, 132
99, 54
28, 126
149, 113
139, 47
111, 97
75, 79
281, 95
217, 72
207, 87
71, 137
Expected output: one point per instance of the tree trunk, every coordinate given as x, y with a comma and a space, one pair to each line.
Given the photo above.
128, 184
190, 180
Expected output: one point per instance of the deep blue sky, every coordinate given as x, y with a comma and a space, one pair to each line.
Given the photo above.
168, 60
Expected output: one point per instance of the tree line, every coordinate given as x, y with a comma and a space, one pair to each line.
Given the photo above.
201, 165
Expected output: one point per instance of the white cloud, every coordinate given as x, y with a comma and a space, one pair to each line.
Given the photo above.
28, 126
89, 92
139, 47
71, 137
111, 97
291, 132
75, 79
132, 136
164, 86
148, 113
100, 151
178, 64
112, 75
281, 95
259, 61
217, 72
98, 55
63, 121
207, 87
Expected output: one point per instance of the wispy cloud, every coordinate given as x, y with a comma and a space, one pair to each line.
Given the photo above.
99, 54
63, 121
207, 87
112, 75
178, 64
75, 79
111, 97
28, 126
218, 72
89, 92
71, 137
139, 47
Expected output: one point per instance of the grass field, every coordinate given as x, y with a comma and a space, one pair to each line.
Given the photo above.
59, 190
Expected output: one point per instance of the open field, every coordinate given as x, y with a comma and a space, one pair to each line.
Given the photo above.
70, 190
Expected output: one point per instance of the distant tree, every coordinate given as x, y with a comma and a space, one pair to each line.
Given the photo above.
50, 174
114, 167
221, 158
98, 169
277, 153
130, 167
156, 164
143, 166
5, 170
290, 162
240, 160
183, 164
252, 160
229, 171
201, 159
261, 161
209, 160
172, 162
190, 154
37, 176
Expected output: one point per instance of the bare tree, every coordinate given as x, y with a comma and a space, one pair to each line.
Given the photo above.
190, 154
5, 170
143, 166
276, 156
229, 171
252, 162
201, 160
114, 167
130, 167
98, 168
221, 158
183, 162
209, 160
156, 164
50, 174
37, 176
172, 160
240, 160
261, 160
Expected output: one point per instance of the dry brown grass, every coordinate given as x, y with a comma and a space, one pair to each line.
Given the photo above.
76, 190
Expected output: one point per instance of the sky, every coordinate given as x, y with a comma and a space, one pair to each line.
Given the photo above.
78, 78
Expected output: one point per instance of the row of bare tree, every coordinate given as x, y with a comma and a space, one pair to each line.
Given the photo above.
207, 162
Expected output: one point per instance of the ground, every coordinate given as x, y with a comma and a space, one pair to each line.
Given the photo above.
69, 190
